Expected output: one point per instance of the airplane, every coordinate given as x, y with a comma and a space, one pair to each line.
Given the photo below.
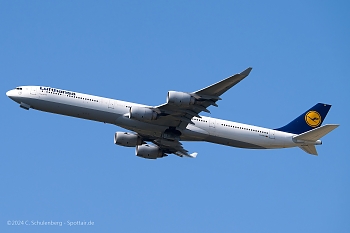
166, 125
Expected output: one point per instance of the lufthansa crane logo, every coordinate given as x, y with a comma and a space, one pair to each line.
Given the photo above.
313, 118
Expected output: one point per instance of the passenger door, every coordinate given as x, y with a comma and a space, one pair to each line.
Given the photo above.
33, 90
111, 104
212, 129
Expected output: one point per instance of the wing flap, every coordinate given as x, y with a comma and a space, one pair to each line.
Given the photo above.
173, 146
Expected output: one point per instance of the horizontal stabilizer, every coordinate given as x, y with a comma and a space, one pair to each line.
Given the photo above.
310, 149
315, 134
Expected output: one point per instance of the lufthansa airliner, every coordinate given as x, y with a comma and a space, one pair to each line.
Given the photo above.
157, 131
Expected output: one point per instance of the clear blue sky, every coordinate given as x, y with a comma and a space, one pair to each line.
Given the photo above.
67, 169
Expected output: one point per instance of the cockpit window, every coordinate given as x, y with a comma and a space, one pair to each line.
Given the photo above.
18, 88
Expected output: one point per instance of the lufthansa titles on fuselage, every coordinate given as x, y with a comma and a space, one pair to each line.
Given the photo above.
56, 90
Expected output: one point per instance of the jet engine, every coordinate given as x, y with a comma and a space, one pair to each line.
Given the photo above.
149, 152
180, 98
127, 139
141, 113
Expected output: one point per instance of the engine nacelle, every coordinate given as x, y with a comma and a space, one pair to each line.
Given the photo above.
149, 152
180, 98
127, 139
141, 113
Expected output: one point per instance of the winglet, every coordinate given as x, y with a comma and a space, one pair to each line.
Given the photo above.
222, 86
193, 155
246, 72
182, 154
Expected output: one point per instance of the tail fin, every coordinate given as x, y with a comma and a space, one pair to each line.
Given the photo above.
309, 120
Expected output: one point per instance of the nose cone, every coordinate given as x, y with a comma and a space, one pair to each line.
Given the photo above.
11, 94
8, 93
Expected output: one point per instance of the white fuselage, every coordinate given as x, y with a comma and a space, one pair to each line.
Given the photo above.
116, 112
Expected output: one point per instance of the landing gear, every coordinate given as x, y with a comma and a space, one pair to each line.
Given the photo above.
172, 134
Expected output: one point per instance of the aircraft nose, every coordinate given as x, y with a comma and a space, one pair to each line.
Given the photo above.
10, 93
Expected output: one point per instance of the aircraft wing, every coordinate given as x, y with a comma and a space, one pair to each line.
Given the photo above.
179, 115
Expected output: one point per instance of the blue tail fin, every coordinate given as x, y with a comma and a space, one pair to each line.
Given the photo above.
309, 120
